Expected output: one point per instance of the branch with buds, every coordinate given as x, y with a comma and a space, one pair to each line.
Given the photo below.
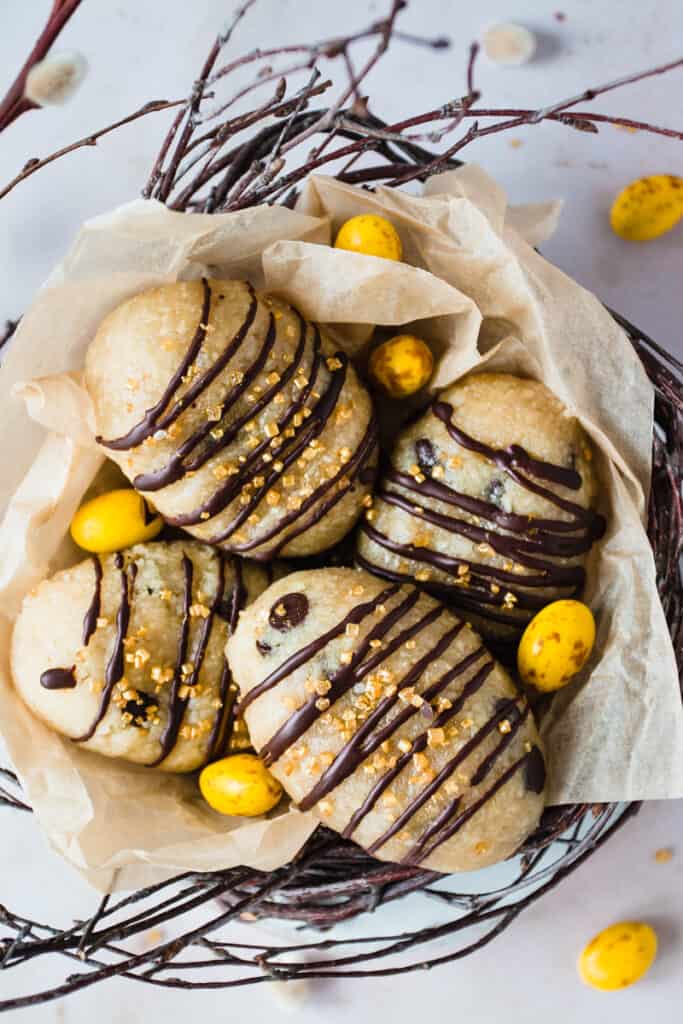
218, 156
40, 81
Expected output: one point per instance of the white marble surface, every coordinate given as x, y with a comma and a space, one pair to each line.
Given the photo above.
140, 51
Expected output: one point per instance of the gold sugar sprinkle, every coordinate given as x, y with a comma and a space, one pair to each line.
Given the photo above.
436, 737
504, 727
199, 611
664, 855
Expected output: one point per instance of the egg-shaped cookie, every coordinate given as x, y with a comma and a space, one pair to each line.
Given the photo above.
240, 421
124, 653
385, 714
488, 503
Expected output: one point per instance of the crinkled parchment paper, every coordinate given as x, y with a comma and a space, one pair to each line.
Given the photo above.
474, 286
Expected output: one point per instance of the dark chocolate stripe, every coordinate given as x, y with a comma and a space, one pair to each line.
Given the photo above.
423, 848
176, 468
232, 429
355, 751
479, 593
300, 657
224, 722
115, 665
148, 424
526, 540
93, 612
313, 427
341, 681
176, 705
533, 537
420, 742
222, 497
350, 469
225, 717
442, 591
508, 459
516, 721
445, 773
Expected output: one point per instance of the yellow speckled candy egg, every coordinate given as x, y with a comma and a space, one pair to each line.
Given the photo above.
618, 956
402, 365
114, 520
370, 235
556, 644
240, 785
648, 208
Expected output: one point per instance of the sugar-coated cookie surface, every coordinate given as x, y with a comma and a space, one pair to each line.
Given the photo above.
380, 710
124, 653
487, 503
241, 422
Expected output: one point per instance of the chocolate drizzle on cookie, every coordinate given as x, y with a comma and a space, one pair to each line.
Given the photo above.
255, 476
386, 636
155, 419
93, 612
137, 707
502, 594
114, 669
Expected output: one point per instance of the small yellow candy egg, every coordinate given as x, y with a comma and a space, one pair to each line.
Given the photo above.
618, 956
648, 208
370, 235
402, 365
556, 644
240, 785
114, 520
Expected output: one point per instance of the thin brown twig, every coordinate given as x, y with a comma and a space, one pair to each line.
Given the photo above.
36, 164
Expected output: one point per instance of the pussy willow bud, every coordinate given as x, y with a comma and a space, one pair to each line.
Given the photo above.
54, 80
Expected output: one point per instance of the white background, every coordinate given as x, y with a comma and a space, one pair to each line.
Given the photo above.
151, 49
